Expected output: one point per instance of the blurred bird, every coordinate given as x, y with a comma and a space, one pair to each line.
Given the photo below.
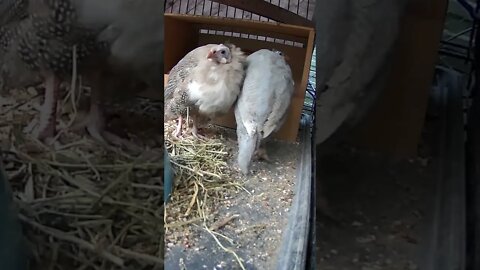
262, 105
205, 82
355, 41
351, 74
37, 39
135, 59
123, 25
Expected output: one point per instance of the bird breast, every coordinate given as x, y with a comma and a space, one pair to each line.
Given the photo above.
211, 98
214, 91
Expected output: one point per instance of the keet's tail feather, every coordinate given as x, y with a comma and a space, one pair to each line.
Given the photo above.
246, 148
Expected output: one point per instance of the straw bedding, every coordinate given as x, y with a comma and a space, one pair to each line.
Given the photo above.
84, 205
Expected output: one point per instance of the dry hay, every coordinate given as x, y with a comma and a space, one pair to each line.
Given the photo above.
82, 206
202, 180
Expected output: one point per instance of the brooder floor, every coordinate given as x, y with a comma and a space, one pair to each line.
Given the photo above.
232, 221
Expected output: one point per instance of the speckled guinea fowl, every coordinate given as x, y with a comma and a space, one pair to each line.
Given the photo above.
205, 82
38, 36
11, 10
133, 30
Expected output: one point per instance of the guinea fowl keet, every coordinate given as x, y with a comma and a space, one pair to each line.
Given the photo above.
40, 40
135, 58
262, 105
205, 83
37, 40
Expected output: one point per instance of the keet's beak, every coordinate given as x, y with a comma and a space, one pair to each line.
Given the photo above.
286, 57
210, 54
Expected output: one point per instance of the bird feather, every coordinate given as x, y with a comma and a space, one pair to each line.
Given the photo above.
263, 103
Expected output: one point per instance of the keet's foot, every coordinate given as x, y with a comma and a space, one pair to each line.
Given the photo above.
95, 126
48, 111
198, 135
47, 133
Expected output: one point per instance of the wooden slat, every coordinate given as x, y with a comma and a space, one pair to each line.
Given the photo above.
267, 10
268, 27
253, 32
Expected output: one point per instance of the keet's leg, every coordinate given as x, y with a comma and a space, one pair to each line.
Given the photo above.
178, 130
195, 128
48, 111
95, 124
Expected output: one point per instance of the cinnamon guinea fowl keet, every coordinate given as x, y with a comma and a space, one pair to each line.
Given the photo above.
37, 38
205, 82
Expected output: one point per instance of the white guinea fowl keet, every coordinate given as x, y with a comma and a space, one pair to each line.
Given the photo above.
262, 105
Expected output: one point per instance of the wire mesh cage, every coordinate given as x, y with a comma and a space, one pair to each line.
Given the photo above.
304, 8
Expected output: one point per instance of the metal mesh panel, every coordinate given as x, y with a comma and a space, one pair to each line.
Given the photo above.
304, 8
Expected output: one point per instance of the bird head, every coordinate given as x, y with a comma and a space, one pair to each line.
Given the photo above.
281, 54
220, 54
277, 52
